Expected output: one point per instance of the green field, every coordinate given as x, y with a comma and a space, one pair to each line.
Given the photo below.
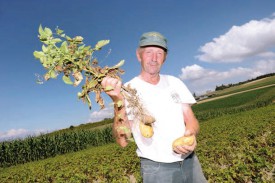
250, 85
235, 144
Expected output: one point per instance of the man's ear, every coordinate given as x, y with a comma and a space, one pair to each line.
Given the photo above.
138, 54
165, 57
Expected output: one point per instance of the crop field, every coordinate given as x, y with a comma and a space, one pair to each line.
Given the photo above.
247, 86
235, 144
235, 103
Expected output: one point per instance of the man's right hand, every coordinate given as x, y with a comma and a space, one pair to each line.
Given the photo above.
112, 87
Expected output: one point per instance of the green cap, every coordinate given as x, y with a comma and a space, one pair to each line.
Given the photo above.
153, 38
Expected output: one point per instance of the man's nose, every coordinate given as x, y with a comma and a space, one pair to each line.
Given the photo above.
154, 56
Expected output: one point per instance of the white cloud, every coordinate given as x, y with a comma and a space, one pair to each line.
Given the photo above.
267, 54
200, 79
264, 66
19, 133
96, 116
196, 73
255, 38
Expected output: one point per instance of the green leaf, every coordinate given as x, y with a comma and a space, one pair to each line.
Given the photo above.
56, 40
101, 43
44, 48
38, 54
109, 88
92, 83
64, 47
78, 38
69, 38
49, 61
40, 30
42, 34
118, 64
80, 95
119, 103
67, 80
52, 74
81, 48
48, 32
59, 31
88, 100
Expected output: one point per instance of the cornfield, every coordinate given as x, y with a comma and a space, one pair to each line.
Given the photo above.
44, 146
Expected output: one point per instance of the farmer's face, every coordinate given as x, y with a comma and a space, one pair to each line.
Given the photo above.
151, 59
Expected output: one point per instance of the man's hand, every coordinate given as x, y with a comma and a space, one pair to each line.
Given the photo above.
112, 88
187, 149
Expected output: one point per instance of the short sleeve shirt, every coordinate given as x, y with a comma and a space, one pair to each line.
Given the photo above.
164, 102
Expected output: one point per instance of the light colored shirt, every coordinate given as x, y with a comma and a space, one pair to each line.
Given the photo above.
164, 102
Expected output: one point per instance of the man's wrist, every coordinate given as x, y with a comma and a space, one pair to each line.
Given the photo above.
190, 131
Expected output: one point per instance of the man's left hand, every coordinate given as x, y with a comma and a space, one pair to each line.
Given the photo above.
186, 149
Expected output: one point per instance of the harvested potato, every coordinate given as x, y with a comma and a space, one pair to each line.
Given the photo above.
146, 130
185, 140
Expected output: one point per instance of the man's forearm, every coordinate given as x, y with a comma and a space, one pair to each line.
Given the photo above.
193, 126
191, 122
121, 127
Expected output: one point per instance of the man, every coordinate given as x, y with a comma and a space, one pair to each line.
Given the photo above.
168, 100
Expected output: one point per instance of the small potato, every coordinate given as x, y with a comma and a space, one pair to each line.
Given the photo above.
185, 140
146, 130
148, 119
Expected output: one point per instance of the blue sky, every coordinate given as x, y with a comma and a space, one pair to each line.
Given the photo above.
211, 42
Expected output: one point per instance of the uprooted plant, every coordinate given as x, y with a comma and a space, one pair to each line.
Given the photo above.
70, 56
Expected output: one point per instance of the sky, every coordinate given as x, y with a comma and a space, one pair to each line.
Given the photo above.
210, 42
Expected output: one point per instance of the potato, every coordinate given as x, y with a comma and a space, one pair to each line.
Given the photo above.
185, 140
146, 130
148, 119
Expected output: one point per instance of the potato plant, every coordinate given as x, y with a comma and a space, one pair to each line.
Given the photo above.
61, 54
70, 56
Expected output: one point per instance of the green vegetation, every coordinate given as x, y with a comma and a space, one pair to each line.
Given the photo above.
108, 163
246, 86
50, 145
88, 126
251, 81
239, 147
232, 148
235, 103
236, 144
61, 54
